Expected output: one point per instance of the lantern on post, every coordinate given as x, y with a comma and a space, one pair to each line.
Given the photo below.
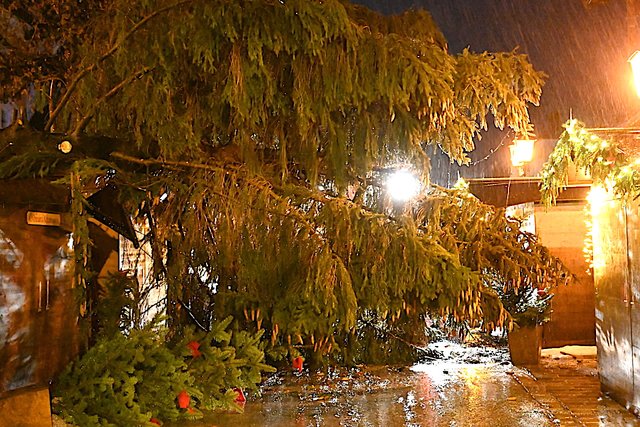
521, 153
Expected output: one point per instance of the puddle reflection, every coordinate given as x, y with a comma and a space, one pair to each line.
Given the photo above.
439, 394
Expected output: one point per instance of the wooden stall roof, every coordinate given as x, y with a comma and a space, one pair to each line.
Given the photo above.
37, 193
104, 206
41, 194
503, 192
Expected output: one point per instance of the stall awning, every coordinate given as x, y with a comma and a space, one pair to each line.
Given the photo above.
503, 192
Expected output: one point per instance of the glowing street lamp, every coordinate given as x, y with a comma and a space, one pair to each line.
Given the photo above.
634, 60
402, 185
521, 153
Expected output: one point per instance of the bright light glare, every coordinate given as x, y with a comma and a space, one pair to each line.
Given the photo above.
521, 151
597, 197
403, 185
634, 60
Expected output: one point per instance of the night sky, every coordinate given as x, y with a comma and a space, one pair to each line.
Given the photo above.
583, 50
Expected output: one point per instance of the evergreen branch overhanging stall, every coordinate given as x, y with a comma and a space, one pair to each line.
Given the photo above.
222, 118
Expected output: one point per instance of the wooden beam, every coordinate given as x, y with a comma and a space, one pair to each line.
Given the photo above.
503, 192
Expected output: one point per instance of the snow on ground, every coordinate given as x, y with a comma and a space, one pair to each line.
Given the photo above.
575, 351
466, 353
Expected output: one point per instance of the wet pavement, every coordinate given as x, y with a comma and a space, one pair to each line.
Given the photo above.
563, 390
569, 388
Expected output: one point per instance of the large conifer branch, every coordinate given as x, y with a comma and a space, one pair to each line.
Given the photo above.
173, 163
227, 168
331, 94
83, 72
114, 90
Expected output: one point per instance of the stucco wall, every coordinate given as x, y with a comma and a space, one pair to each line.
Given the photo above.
563, 229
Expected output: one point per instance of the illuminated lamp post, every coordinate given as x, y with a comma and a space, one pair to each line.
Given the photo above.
521, 153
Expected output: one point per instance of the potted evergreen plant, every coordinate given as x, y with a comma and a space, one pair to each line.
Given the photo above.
530, 308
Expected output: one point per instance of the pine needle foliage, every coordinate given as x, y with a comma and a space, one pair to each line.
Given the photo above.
604, 159
333, 262
123, 381
492, 244
228, 360
328, 256
126, 380
318, 83
488, 241
219, 120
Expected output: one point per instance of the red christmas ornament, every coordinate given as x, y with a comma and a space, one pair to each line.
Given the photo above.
155, 421
240, 398
298, 363
194, 346
183, 399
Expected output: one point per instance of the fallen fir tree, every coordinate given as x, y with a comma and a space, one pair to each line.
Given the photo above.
253, 137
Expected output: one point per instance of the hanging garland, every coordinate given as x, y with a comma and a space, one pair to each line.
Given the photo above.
603, 159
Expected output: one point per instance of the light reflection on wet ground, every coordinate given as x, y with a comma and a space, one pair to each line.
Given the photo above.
442, 393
